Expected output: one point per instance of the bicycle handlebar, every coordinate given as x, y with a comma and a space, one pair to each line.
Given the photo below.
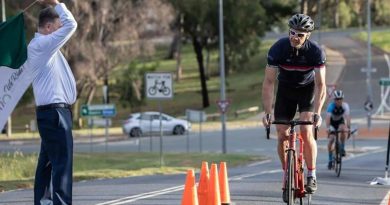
292, 123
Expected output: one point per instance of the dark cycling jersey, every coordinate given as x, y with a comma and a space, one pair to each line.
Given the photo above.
296, 66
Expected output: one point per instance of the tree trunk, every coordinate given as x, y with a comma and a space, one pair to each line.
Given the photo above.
179, 69
91, 93
199, 58
336, 15
304, 6
207, 63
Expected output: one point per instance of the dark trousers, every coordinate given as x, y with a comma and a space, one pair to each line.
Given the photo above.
53, 177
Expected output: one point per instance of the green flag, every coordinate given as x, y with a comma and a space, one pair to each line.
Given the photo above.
13, 49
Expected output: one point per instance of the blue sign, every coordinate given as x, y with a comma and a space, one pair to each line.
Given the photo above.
102, 110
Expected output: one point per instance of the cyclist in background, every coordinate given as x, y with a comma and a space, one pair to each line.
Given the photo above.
299, 65
337, 118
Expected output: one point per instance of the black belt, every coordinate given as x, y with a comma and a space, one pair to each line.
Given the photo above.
53, 105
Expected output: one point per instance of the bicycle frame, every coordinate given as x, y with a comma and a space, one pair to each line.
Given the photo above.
337, 158
294, 183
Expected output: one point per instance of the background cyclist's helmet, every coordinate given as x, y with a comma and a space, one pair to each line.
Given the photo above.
301, 22
338, 94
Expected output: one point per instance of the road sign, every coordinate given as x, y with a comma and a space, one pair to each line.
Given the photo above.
196, 116
159, 85
223, 105
102, 110
365, 70
368, 106
384, 82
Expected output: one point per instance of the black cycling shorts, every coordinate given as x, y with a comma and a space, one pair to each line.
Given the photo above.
288, 99
336, 123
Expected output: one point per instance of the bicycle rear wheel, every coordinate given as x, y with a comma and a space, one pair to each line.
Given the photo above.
290, 188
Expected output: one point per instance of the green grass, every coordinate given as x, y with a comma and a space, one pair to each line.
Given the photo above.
17, 170
380, 39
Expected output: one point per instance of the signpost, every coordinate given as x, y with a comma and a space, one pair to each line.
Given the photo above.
196, 116
159, 86
99, 110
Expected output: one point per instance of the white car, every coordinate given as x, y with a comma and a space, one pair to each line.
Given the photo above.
147, 122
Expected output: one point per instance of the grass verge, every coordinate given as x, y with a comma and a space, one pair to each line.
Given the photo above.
17, 170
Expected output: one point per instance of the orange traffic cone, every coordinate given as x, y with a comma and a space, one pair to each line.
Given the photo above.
203, 184
190, 196
213, 197
224, 184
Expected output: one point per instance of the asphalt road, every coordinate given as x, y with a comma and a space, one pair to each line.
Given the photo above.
253, 184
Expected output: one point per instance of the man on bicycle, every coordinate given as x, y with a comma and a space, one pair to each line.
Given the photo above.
299, 65
337, 119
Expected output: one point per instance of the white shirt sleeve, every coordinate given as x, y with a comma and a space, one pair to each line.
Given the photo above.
53, 42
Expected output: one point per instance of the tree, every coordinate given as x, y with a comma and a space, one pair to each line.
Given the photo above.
129, 86
244, 24
110, 33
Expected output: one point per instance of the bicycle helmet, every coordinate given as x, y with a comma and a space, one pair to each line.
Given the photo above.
301, 22
338, 94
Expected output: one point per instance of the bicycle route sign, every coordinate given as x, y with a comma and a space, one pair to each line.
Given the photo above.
159, 85
99, 110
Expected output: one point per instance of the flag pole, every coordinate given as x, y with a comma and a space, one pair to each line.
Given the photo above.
3, 10
30, 5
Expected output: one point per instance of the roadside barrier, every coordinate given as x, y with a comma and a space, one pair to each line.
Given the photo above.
203, 184
213, 196
212, 189
190, 196
224, 184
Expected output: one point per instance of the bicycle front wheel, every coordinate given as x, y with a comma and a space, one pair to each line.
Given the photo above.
290, 187
337, 165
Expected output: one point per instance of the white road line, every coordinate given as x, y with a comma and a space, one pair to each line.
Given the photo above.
235, 178
240, 177
259, 163
385, 200
142, 196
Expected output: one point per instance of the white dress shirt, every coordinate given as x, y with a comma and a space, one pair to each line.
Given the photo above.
54, 81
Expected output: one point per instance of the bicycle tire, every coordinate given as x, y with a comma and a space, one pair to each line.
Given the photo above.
337, 158
301, 201
290, 177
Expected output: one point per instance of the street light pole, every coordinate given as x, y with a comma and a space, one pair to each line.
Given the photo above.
369, 65
222, 74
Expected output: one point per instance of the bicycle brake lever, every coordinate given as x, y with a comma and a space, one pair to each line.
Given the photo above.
268, 131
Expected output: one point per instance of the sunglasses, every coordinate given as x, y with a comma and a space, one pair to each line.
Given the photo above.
338, 98
300, 35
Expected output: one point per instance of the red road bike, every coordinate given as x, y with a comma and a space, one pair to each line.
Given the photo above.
293, 179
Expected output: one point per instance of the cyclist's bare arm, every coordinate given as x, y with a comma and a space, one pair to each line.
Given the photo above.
320, 89
268, 89
347, 116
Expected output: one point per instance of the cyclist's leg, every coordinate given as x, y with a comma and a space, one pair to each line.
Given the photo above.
305, 105
282, 131
285, 109
331, 139
343, 136
309, 144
